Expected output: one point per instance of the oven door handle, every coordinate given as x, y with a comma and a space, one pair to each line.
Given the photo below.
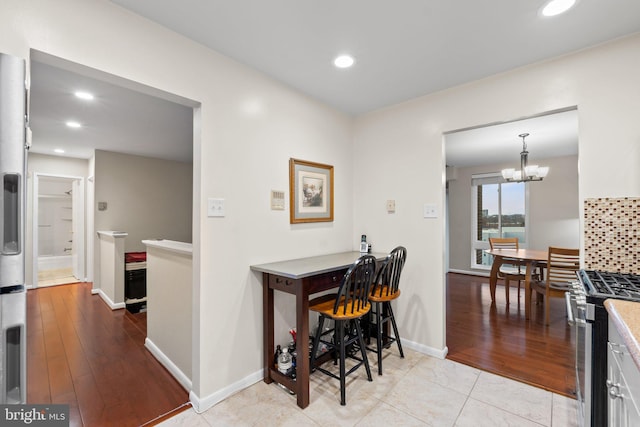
567, 300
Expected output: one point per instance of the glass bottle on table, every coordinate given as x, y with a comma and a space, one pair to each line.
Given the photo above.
363, 244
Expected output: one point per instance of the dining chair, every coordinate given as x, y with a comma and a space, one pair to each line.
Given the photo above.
562, 265
385, 289
511, 271
345, 308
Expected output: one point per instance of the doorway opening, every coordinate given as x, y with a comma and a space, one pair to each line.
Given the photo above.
58, 234
493, 335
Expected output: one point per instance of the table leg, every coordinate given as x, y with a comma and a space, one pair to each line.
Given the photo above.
527, 290
267, 325
493, 279
302, 345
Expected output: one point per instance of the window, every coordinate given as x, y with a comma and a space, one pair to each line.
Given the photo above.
499, 210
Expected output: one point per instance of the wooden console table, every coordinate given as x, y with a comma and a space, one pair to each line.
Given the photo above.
300, 277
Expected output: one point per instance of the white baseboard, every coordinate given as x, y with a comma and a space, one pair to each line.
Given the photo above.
95, 291
471, 272
180, 376
424, 349
202, 404
107, 300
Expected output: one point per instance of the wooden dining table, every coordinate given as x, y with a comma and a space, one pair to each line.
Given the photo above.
528, 257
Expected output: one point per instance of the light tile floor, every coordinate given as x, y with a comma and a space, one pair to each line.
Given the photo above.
418, 390
60, 276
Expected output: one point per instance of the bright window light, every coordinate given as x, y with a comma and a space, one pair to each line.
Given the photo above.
556, 7
75, 125
343, 61
84, 95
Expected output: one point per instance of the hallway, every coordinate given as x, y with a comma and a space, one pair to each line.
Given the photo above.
83, 354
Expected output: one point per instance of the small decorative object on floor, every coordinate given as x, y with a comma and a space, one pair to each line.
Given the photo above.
284, 361
277, 355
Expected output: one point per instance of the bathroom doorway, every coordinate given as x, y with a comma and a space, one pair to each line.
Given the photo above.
58, 239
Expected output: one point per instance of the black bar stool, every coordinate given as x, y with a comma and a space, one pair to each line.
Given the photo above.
345, 308
384, 290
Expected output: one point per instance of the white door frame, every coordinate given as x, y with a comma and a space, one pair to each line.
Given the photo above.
78, 226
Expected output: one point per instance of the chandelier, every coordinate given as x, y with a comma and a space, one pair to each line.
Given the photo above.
527, 172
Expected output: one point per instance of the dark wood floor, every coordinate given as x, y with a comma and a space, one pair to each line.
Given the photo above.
82, 353
496, 338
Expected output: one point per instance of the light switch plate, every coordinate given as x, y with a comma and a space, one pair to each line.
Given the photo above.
215, 207
430, 211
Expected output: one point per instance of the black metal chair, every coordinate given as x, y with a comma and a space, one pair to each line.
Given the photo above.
349, 304
384, 290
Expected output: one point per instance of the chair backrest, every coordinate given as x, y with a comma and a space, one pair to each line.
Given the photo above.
503, 242
562, 265
356, 284
388, 278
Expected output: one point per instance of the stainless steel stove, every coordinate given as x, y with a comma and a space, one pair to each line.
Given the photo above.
585, 305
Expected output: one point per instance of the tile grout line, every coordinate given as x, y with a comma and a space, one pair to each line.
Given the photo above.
508, 411
468, 397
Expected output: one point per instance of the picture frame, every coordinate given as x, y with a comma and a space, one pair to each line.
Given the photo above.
310, 191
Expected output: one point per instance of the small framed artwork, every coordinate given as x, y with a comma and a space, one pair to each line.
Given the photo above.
311, 191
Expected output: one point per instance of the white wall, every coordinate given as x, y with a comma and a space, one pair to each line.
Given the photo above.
111, 272
553, 207
146, 197
246, 130
406, 142
169, 309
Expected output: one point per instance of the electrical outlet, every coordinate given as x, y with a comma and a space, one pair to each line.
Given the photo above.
430, 211
215, 207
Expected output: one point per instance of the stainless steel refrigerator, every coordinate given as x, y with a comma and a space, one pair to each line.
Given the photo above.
13, 308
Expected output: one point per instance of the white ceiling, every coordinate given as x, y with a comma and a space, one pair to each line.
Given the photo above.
551, 135
118, 119
403, 49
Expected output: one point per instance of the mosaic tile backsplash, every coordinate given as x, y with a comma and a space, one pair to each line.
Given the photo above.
612, 234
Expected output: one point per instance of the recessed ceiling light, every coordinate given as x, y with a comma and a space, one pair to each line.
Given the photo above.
556, 7
84, 95
72, 124
344, 61
58, 150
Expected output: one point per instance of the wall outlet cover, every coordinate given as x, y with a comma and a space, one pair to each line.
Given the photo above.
430, 210
215, 207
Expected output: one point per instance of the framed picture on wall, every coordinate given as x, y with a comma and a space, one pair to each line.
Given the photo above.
311, 191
